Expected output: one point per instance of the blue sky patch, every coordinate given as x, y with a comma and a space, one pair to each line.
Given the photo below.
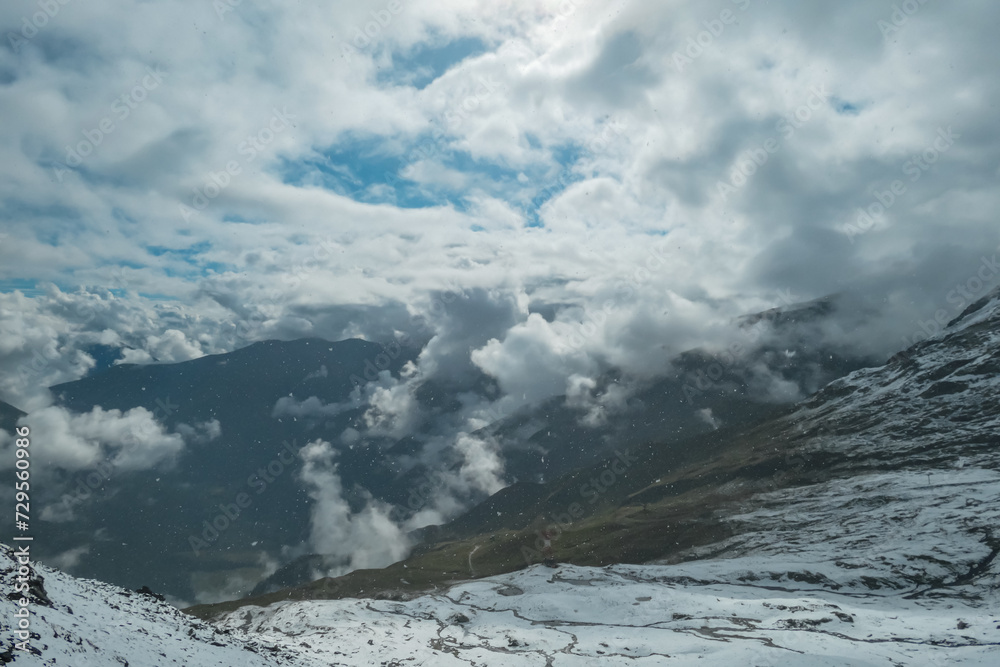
192, 256
426, 62
380, 170
844, 107
187, 254
361, 168
28, 287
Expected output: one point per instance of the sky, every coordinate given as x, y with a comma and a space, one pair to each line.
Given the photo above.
183, 178
535, 191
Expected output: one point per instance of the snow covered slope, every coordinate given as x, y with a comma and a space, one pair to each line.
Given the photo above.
909, 493
633, 615
886, 555
83, 623
709, 613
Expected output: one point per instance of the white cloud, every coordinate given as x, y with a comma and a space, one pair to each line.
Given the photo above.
533, 361
201, 433
310, 408
366, 539
393, 410
434, 173
69, 559
171, 347
481, 470
705, 415
131, 440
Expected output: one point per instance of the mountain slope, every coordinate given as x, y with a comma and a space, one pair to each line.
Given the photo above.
78, 622
561, 436
702, 389
885, 480
136, 527
858, 528
631, 615
646, 615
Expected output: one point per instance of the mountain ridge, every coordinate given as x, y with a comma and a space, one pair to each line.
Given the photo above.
808, 447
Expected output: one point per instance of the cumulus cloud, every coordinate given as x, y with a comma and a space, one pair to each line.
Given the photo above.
311, 408
171, 347
69, 559
128, 441
365, 539
705, 414
36, 351
532, 361
598, 405
481, 470
201, 433
391, 410
49, 338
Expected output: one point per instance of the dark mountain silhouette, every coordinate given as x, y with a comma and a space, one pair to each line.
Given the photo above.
138, 525
9, 416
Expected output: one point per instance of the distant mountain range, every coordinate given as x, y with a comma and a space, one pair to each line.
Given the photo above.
140, 528
705, 391
884, 480
856, 526
138, 525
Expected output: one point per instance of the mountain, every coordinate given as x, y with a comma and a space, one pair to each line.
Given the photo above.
9, 416
84, 622
702, 391
155, 527
859, 525
677, 614
135, 528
